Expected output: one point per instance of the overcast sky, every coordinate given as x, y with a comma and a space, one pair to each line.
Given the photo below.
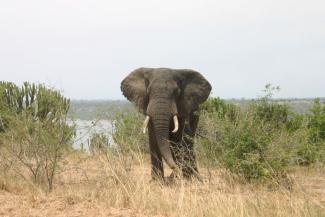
86, 47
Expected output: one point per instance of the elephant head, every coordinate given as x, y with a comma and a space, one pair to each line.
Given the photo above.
163, 95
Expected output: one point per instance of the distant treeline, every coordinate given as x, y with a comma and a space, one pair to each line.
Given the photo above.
94, 109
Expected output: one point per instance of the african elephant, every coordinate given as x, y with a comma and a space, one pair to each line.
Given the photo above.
168, 98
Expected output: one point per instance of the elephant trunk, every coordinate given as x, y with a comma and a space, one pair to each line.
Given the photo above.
161, 128
160, 112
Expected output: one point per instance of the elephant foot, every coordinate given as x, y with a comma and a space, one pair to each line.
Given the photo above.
174, 179
191, 174
175, 176
171, 180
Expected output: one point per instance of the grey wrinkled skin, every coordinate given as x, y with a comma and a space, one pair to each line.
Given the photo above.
162, 93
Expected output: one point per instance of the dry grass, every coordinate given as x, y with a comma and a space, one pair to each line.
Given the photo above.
120, 186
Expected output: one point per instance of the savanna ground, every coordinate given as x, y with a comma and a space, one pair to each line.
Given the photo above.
111, 185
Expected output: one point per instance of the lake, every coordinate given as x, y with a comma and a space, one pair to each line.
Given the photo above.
85, 128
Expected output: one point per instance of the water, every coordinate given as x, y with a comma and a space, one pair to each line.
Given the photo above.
85, 128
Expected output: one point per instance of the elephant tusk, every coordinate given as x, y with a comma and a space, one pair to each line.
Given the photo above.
145, 124
175, 124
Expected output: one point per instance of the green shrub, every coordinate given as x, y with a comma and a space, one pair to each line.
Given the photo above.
316, 122
37, 101
34, 133
313, 149
5, 112
251, 148
221, 108
295, 122
99, 143
256, 144
308, 153
35, 146
271, 112
127, 133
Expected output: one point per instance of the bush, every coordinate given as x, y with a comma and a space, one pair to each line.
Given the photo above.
38, 101
5, 112
296, 121
99, 143
34, 133
316, 122
248, 147
313, 149
35, 146
260, 143
267, 110
271, 112
127, 133
222, 109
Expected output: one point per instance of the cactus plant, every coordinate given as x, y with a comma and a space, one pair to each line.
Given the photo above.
39, 101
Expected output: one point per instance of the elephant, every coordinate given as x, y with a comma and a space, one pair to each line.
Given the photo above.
169, 99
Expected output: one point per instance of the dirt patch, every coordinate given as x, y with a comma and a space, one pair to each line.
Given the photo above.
13, 205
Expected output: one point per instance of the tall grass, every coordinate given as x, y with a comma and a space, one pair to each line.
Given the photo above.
123, 182
253, 162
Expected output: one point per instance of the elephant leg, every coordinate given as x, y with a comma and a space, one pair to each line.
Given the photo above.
176, 144
157, 167
190, 166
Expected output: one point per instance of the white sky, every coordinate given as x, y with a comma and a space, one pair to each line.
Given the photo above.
85, 48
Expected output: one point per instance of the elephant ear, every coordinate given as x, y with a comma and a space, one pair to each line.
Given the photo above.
195, 90
134, 87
